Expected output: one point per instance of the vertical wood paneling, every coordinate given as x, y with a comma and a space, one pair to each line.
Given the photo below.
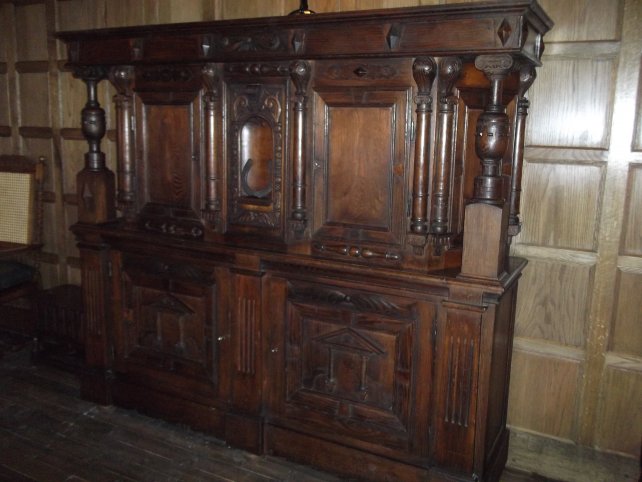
626, 336
619, 426
31, 22
5, 114
553, 302
573, 112
543, 394
251, 8
560, 205
581, 20
632, 244
34, 100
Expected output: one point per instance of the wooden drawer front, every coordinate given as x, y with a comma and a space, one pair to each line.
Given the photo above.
165, 316
352, 362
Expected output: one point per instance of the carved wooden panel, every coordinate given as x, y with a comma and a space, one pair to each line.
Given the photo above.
256, 144
5, 119
350, 361
454, 419
361, 201
165, 318
569, 217
167, 133
246, 339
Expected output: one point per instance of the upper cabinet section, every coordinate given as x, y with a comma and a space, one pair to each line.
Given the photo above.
462, 29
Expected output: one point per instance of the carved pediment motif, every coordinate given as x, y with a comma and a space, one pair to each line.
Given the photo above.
351, 341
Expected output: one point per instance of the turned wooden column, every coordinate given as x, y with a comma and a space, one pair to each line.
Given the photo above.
300, 74
485, 250
449, 71
211, 100
527, 76
122, 78
95, 184
492, 131
423, 71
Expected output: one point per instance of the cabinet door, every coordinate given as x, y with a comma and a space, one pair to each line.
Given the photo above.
165, 327
361, 116
351, 366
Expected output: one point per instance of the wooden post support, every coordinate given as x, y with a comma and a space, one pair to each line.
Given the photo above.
95, 184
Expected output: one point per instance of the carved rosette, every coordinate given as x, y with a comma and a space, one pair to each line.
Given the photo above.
122, 78
424, 70
492, 135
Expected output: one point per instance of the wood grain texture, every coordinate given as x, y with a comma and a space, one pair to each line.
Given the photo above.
584, 20
553, 302
551, 398
31, 32
620, 411
561, 205
252, 8
632, 243
572, 112
637, 140
34, 100
626, 335
5, 115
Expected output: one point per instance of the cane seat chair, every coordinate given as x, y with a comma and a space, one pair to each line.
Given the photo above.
21, 183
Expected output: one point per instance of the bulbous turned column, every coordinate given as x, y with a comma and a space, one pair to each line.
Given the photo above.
95, 184
492, 135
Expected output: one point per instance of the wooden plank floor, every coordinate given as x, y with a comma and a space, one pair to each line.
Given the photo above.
47, 433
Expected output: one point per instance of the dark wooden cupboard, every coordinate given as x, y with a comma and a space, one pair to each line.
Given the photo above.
304, 249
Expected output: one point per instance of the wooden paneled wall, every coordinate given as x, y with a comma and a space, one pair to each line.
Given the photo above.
577, 370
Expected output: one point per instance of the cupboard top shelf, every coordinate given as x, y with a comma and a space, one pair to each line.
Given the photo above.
457, 29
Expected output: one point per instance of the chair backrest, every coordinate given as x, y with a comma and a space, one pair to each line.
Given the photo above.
21, 184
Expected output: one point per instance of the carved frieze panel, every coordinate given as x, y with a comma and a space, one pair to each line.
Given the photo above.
256, 147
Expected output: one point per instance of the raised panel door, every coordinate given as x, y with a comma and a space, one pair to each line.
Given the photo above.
356, 365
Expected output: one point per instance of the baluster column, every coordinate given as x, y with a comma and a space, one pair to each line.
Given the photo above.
492, 131
95, 184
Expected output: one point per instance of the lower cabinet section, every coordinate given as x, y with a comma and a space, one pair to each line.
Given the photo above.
366, 378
